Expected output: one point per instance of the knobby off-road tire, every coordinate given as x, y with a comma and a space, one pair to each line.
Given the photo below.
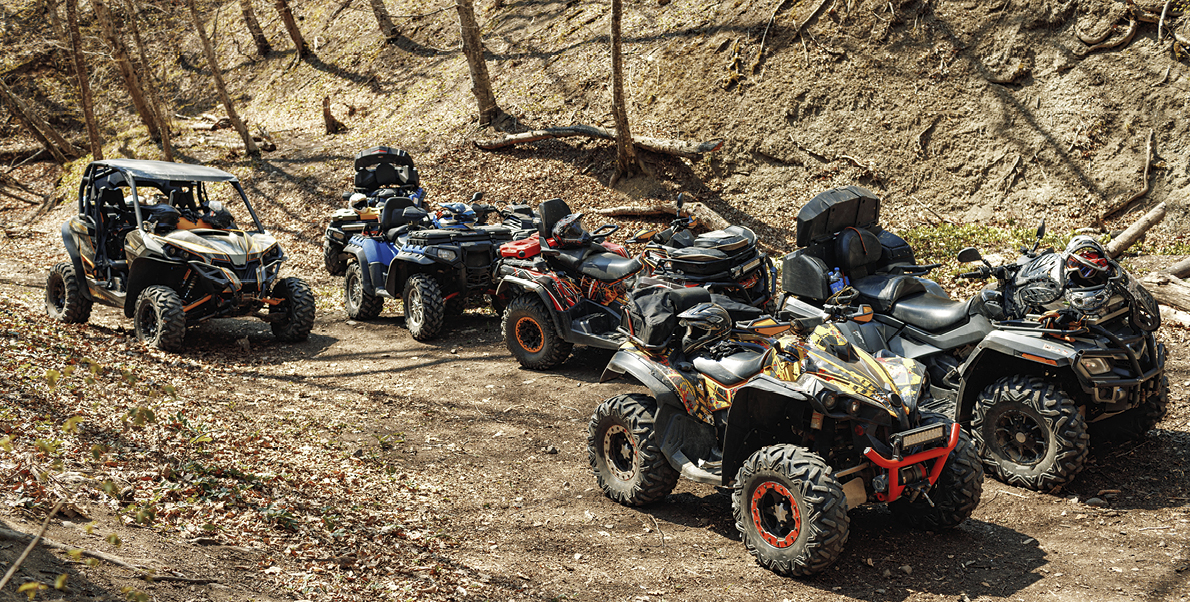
358, 303
159, 319
1133, 424
1029, 433
424, 307
623, 451
296, 307
331, 250
530, 336
957, 491
64, 300
790, 510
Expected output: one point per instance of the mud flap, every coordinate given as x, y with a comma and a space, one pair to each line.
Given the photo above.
857, 494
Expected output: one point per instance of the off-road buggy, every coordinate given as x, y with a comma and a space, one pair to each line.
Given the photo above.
1033, 364
160, 241
802, 428
565, 286
381, 172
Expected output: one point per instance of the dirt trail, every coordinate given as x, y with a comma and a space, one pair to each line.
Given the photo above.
508, 447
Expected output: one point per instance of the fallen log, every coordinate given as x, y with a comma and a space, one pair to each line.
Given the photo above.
1171, 316
1168, 290
705, 216
1180, 269
680, 148
1128, 237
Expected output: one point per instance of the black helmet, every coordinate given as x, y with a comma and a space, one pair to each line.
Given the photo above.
705, 324
569, 231
1087, 263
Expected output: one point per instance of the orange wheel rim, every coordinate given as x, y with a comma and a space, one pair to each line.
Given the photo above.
530, 335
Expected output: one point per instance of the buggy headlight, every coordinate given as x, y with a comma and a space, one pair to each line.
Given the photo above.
180, 254
1095, 365
443, 254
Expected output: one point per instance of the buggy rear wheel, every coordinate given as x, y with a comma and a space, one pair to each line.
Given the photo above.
955, 494
64, 300
331, 251
530, 336
159, 319
358, 303
424, 307
790, 510
623, 451
296, 308
1029, 433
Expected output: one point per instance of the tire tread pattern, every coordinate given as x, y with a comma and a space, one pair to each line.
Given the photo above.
76, 308
298, 305
825, 517
1067, 426
556, 349
335, 265
370, 305
655, 477
171, 318
432, 306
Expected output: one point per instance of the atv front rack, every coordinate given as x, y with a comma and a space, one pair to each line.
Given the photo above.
894, 466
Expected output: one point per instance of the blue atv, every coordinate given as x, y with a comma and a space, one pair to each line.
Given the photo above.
432, 262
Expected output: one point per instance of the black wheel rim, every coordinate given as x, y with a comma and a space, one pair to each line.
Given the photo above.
775, 514
1021, 438
619, 449
55, 292
147, 323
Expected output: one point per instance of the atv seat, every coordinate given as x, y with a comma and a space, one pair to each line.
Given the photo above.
551, 211
883, 291
733, 369
608, 267
931, 312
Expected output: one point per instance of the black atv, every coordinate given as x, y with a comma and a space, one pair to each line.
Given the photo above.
150, 239
1033, 364
381, 173
802, 428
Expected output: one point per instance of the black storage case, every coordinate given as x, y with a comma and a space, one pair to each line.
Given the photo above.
835, 209
367, 160
805, 275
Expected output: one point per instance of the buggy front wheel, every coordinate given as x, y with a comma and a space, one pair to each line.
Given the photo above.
159, 319
296, 310
359, 304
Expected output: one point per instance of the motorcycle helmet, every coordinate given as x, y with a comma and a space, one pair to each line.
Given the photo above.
705, 324
1087, 263
569, 231
219, 217
455, 215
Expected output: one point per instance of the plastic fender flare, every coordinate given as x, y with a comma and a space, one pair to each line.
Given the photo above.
403, 266
75, 258
640, 369
1013, 344
755, 403
361, 257
145, 272
511, 282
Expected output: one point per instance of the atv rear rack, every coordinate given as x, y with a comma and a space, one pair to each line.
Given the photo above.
895, 486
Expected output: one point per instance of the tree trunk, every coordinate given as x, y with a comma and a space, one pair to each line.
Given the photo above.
213, 64
1180, 269
131, 80
80, 72
159, 110
481, 85
263, 48
333, 126
1168, 290
33, 123
299, 42
51, 10
387, 29
626, 162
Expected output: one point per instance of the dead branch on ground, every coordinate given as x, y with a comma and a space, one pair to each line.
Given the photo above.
1128, 237
1168, 290
680, 148
1122, 205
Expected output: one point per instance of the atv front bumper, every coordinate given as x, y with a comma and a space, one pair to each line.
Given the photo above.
1122, 376
910, 470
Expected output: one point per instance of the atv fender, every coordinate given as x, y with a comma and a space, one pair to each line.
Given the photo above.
1004, 352
146, 272
640, 369
404, 265
762, 413
356, 251
77, 259
509, 284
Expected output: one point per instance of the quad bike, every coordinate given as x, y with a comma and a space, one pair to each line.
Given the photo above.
1032, 365
566, 286
149, 239
381, 173
432, 263
803, 429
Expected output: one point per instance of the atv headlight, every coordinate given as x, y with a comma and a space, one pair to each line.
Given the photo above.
1095, 365
443, 254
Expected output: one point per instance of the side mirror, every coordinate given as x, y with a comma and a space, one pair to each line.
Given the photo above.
681, 200
475, 198
1041, 230
643, 236
969, 254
